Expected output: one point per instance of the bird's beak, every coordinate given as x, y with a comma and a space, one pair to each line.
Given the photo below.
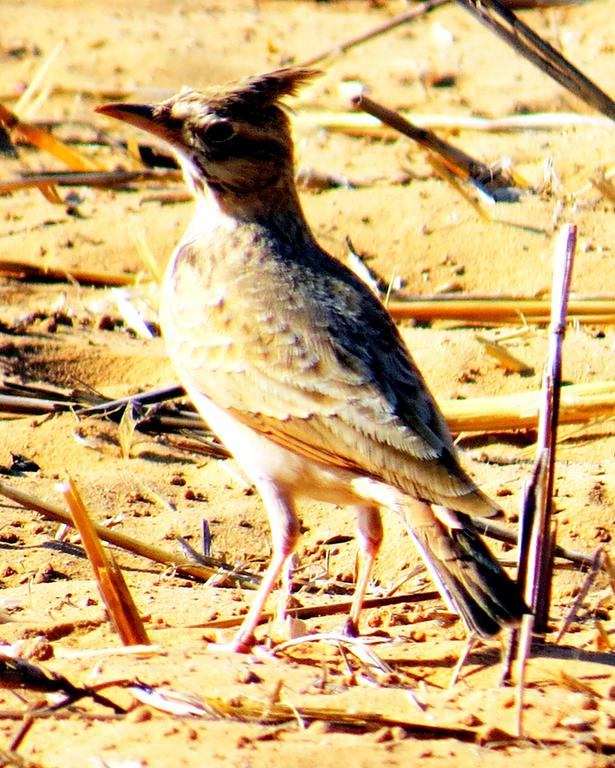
141, 116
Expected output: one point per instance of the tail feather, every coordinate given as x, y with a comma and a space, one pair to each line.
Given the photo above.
471, 580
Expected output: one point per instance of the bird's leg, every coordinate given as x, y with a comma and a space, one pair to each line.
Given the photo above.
369, 539
285, 534
285, 590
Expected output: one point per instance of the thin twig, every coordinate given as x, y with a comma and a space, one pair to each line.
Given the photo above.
596, 567
395, 21
325, 609
455, 160
89, 178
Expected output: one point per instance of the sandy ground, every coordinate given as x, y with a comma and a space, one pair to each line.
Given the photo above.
416, 228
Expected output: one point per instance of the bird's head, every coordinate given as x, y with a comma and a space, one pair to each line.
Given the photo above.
235, 139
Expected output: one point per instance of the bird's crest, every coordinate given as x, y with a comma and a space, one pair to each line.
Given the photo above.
260, 91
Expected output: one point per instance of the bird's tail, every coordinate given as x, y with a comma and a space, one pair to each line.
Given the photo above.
470, 579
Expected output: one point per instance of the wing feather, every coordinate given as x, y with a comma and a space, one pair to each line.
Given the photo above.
322, 371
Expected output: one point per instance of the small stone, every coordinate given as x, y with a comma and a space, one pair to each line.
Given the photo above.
577, 724
491, 734
248, 676
319, 727
383, 735
105, 323
42, 651
139, 714
589, 703
602, 534
453, 286
471, 720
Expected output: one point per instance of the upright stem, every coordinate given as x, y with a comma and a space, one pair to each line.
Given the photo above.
538, 586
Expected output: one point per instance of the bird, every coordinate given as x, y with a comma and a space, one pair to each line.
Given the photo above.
297, 366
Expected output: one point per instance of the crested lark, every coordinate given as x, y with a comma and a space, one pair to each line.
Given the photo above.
294, 363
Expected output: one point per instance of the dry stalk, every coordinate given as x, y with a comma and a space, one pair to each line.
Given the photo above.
501, 20
111, 583
538, 588
151, 551
23, 269
495, 309
326, 609
580, 403
454, 160
537, 539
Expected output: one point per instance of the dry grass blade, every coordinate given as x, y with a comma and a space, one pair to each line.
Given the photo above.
46, 142
34, 85
248, 710
501, 20
604, 185
111, 584
502, 356
574, 684
151, 551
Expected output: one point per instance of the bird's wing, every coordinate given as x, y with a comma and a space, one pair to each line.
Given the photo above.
314, 361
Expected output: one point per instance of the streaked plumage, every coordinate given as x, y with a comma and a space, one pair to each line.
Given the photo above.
296, 365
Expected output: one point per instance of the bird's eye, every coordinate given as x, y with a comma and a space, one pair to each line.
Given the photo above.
219, 132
